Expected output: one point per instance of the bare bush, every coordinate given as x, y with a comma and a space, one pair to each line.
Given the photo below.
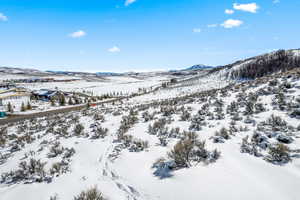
90, 194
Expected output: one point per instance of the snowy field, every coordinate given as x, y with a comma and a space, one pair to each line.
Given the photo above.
124, 84
116, 147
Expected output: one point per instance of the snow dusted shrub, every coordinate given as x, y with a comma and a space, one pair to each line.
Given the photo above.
147, 116
99, 117
250, 148
224, 133
90, 194
278, 154
157, 126
54, 197
167, 110
295, 113
260, 140
219, 114
249, 109
99, 132
197, 122
3, 136
163, 141
243, 128
273, 82
279, 101
186, 115
33, 171
117, 113
276, 123
27, 138
286, 85
259, 108
232, 108
78, 130
233, 128
133, 144
62, 131
59, 168
126, 123
68, 152
236, 117
175, 133
181, 153
55, 150
191, 150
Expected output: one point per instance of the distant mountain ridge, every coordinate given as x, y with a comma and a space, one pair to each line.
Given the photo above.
15, 70
199, 66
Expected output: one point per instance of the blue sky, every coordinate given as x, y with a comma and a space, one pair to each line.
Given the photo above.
142, 35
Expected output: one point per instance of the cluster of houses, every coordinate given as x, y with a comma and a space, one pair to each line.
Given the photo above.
16, 96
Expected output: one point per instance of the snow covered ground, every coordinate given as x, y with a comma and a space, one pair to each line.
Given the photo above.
121, 168
124, 84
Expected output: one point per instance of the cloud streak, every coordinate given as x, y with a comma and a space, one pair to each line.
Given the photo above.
3, 17
114, 49
197, 30
78, 34
232, 23
229, 11
128, 2
250, 7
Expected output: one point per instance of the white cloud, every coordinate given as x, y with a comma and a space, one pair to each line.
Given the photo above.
229, 11
77, 34
114, 49
128, 2
197, 30
276, 1
3, 17
231, 23
212, 25
250, 7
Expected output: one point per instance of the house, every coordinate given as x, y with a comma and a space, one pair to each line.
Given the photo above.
45, 94
15, 97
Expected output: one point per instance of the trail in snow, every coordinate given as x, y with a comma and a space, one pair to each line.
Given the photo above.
108, 173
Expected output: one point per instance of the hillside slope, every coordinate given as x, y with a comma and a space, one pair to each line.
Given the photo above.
259, 66
134, 150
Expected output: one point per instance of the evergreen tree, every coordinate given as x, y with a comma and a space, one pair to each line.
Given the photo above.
52, 102
70, 101
62, 100
29, 107
10, 107
23, 109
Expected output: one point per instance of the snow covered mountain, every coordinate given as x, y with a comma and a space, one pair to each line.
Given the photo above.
199, 66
